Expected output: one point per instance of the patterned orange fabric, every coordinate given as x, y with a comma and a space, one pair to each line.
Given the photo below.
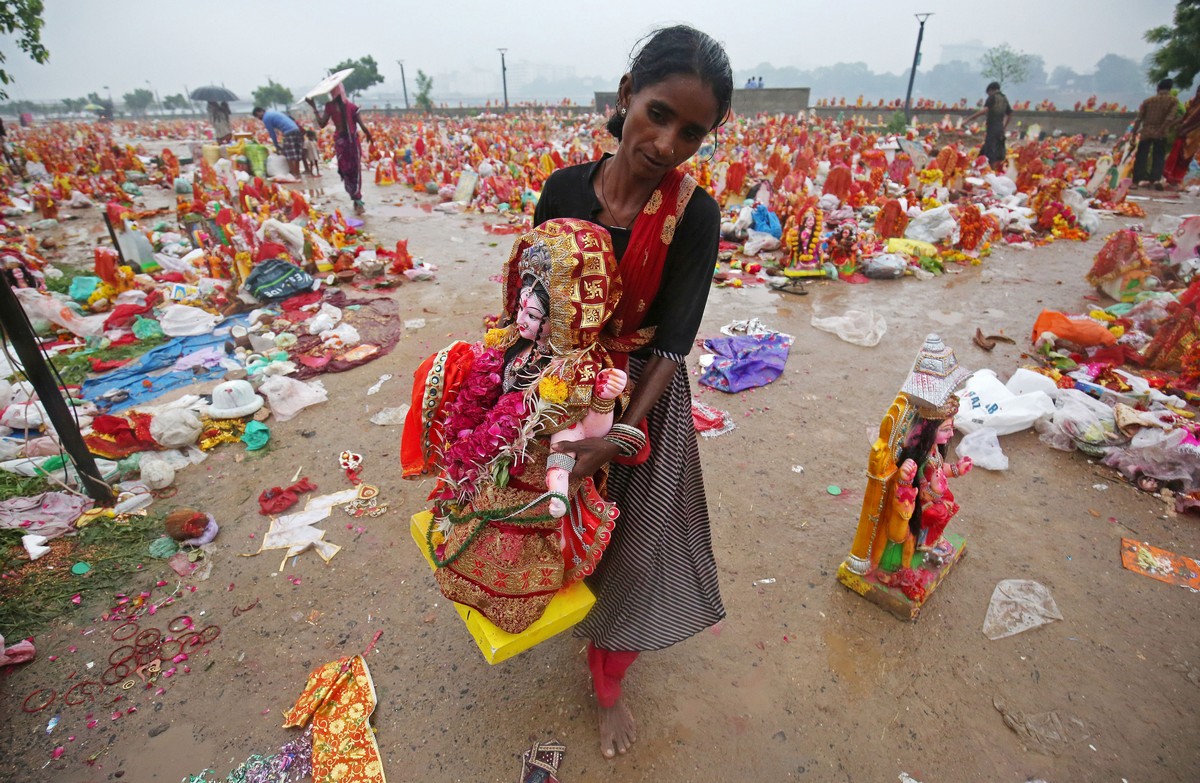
339, 699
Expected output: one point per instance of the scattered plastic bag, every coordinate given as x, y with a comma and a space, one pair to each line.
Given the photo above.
156, 472
887, 266
277, 166
256, 436
288, 396
983, 447
186, 321
47, 308
934, 225
1045, 732
1080, 421
986, 402
758, 241
389, 417
276, 279
1018, 605
861, 327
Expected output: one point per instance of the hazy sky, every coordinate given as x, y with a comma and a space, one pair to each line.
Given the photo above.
124, 43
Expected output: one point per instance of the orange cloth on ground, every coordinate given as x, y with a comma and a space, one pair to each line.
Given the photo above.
339, 699
1081, 331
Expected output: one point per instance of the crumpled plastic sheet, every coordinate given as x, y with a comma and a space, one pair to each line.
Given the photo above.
860, 327
288, 396
50, 514
933, 226
1046, 732
983, 447
1080, 421
1018, 605
1164, 456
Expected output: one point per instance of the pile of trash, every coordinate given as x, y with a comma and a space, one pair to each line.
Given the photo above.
247, 289
1119, 383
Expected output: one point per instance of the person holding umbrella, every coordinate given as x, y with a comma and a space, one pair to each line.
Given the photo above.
218, 110
218, 115
346, 122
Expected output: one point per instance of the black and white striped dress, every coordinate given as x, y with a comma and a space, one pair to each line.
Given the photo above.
657, 582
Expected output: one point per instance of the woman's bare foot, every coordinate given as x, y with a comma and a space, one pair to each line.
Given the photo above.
617, 730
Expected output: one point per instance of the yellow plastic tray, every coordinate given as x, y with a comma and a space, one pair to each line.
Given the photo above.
566, 609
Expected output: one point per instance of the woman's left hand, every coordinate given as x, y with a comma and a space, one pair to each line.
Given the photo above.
591, 454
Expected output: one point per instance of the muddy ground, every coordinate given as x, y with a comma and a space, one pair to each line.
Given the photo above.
804, 680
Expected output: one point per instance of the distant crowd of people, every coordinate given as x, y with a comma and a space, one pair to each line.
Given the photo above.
754, 83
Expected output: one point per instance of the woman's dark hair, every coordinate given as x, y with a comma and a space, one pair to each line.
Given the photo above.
918, 451
679, 50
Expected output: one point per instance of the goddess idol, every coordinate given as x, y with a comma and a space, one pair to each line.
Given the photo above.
511, 525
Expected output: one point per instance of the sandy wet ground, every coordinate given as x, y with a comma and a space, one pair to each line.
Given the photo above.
804, 680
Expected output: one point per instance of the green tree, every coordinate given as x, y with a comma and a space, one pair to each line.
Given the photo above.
1118, 77
138, 101
72, 105
424, 87
173, 102
1006, 65
22, 19
1178, 50
272, 94
366, 74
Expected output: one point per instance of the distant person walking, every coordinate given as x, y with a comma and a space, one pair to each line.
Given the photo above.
1187, 143
1156, 117
999, 112
346, 122
286, 135
218, 115
759, 85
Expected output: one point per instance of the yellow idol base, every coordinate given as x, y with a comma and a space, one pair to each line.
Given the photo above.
567, 608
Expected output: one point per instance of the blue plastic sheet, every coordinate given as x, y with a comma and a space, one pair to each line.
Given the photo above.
745, 362
156, 366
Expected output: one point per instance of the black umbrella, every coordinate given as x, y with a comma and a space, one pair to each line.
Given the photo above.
214, 94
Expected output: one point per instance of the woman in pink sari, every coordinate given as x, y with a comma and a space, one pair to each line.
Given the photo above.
346, 122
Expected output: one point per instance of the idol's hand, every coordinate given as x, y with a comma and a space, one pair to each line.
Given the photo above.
907, 471
591, 454
964, 465
610, 383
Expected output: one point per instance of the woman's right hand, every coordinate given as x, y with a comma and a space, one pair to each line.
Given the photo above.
591, 454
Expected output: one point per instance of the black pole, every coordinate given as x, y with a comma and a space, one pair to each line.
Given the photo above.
21, 337
404, 82
913, 73
504, 78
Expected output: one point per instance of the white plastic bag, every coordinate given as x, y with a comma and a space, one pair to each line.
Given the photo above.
758, 241
46, 308
277, 166
886, 266
986, 402
184, 321
983, 447
156, 472
288, 396
175, 428
933, 226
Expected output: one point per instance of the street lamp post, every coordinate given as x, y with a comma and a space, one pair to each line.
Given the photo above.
404, 83
916, 61
504, 77
157, 102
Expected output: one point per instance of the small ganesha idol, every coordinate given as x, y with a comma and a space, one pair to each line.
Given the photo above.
901, 551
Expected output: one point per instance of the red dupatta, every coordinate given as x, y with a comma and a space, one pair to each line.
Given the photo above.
641, 275
643, 261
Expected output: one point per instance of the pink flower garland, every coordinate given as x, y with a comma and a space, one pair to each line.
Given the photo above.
480, 423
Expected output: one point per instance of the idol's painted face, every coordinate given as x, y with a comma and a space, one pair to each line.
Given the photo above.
945, 431
530, 317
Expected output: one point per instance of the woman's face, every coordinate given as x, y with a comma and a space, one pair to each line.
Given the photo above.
530, 316
665, 123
